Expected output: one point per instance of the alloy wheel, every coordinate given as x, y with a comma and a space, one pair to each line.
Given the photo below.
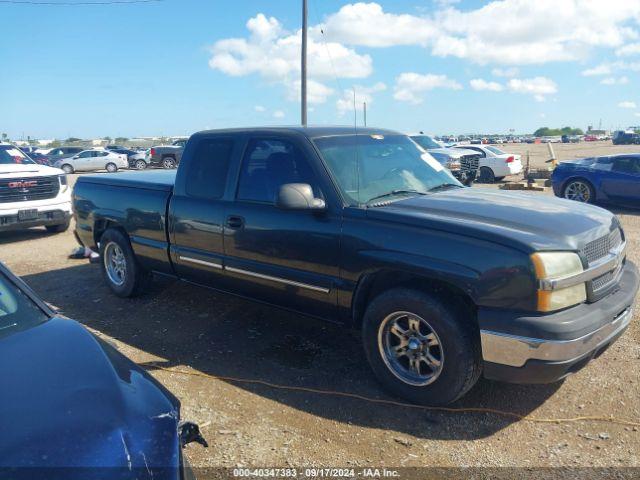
410, 348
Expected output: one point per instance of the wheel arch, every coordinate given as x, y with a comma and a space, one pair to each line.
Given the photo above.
373, 284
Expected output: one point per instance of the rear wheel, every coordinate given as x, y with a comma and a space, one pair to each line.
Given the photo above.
487, 175
112, 167
68, 169
580, 191
421, 348
120, 268
140, 164
169, 162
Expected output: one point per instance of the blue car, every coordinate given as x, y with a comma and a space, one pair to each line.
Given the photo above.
73, 407
611, 179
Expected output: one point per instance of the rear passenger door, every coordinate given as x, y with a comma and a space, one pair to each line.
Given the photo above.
284, 257
197, 211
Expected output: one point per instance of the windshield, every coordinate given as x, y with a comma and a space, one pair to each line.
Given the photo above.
17, 311
367, 167
426, 142
10, 155
495, 150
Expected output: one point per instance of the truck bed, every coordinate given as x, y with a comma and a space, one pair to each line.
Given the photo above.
161, 180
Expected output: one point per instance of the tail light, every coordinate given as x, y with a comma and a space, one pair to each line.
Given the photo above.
510, 159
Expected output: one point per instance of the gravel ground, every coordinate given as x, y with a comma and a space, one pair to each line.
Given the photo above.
246, 424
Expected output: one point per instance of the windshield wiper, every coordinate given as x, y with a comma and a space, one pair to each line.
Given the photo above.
444, 185
396, 192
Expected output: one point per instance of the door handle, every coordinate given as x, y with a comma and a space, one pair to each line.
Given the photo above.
235, 221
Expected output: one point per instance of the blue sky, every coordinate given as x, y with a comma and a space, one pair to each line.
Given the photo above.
443, 66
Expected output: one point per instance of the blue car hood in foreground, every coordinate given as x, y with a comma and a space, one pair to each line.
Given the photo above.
524, 221
69, 400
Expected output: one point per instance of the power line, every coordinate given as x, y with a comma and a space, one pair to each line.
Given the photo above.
73, 4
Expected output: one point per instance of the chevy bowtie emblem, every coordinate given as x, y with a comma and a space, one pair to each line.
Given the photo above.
23, 184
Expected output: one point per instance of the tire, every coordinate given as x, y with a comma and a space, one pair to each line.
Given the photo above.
119, 265
140, 164
68, 169
486, 175
168, 162
579, 190
457, 340
61, 227
111, 167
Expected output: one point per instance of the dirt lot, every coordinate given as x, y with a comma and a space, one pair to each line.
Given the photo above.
254, 425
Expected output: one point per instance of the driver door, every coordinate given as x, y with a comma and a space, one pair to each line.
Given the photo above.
287, 258
82, 161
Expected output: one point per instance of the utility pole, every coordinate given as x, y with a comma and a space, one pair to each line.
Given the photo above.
364, 106
303, 69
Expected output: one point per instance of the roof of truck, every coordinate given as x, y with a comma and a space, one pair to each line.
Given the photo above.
311, 132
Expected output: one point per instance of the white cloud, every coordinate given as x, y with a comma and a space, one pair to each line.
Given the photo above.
278, 114
316, 92
610, 68
362, 94
627, 104
511, 32
637, 114
480, 84
367, 24
259, 109
445, 3
410, 86
628, 50
615, 81
539, 87
274, 54
505, 72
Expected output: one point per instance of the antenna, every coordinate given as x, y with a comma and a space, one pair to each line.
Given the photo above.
355, 110
303, 67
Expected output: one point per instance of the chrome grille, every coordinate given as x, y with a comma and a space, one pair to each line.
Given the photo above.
602, 281
597, 249
469, 162
26, 189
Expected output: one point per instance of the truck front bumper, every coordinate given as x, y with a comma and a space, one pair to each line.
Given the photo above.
547, 348
52, 214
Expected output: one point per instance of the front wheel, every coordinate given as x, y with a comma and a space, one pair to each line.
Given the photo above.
120, 268
68, 169
420, 348
580, 191
169, 162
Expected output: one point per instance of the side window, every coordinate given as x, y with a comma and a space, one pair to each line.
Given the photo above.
209, 167
626, 165
86, 154
267, 165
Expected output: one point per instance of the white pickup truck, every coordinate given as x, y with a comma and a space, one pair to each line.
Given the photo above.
31, 195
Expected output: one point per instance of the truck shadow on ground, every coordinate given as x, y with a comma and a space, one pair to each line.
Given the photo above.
225, 336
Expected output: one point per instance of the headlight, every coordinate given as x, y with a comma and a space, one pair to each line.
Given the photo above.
453, 165
551, 266
63, 183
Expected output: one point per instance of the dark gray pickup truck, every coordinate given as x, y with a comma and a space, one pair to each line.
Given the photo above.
445, 283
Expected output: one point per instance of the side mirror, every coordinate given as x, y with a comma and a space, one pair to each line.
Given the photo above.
76, 157
298, 196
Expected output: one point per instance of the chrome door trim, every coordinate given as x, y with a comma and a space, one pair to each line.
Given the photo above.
277, 279
200, 262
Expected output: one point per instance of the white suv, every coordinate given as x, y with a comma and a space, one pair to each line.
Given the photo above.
31, 195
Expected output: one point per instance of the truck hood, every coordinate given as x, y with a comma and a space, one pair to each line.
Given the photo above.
71, 400
524, 221
31, 170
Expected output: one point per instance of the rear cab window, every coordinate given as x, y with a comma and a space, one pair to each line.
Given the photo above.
209, 167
